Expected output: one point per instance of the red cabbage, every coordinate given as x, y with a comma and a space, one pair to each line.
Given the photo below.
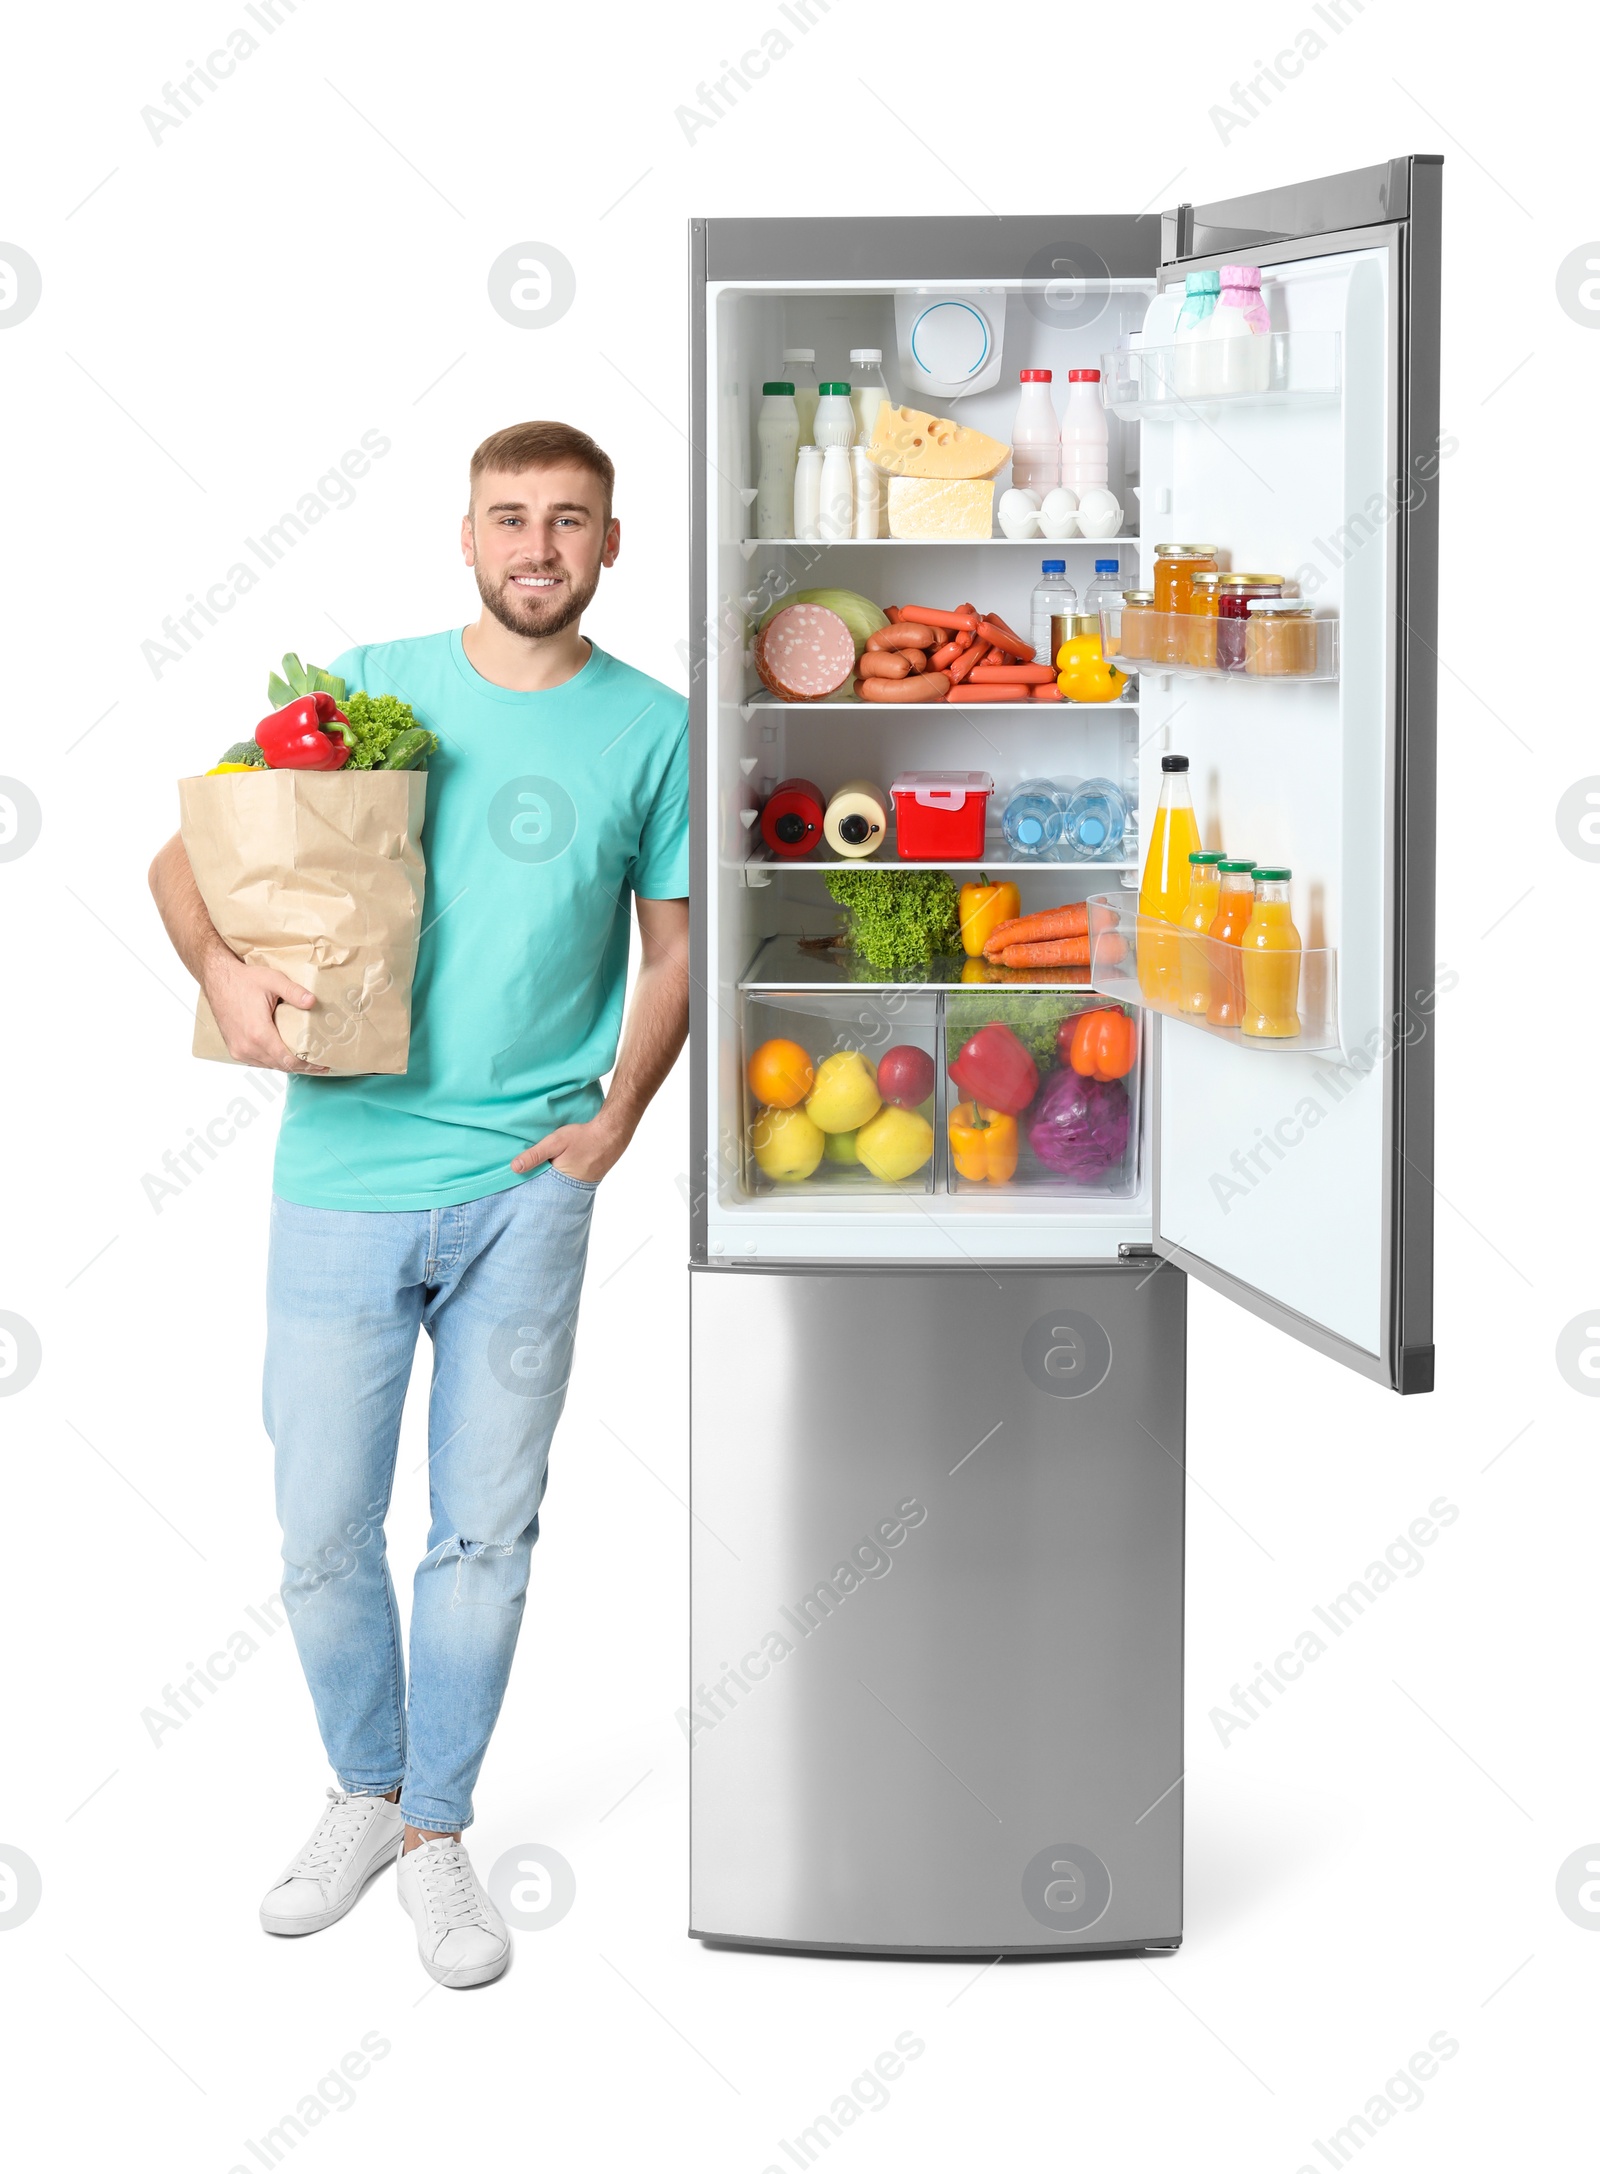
1079, 1127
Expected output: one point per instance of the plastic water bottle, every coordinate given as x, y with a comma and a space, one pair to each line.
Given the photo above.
1105, 589
1032, 821
1054, 598
1094, 822
1035, 437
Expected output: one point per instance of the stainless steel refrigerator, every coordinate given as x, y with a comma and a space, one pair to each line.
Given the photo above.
935, 1700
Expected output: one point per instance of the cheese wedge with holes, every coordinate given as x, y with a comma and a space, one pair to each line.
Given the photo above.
951, 508
905, 442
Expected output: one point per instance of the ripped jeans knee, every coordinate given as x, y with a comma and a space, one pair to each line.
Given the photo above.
482, 1573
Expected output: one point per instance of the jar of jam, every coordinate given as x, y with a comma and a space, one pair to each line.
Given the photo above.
1280, 637
1176, 567
1136, 634
1235, 594
1200, 633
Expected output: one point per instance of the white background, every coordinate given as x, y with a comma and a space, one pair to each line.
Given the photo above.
1373, 1862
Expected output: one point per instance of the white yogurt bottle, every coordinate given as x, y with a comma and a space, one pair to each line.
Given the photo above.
835, 420
868, 392
836, 509
778, 439
807, 493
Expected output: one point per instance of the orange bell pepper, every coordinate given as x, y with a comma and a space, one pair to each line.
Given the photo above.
1102, 1044
983, 1143
980, 908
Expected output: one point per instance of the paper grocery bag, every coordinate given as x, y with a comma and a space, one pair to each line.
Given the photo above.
320, 874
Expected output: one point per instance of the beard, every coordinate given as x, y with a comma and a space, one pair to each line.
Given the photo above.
529, 614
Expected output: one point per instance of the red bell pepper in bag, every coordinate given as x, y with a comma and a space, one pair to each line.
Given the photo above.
298, 737
995, 1069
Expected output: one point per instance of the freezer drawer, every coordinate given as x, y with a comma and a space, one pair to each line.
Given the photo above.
936, 1693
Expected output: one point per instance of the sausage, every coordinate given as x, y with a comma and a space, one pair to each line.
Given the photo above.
804, 653
904, 634
1017, 675
968, 661
884, 664
918, 687
1005, 691
1003, 638
916, 615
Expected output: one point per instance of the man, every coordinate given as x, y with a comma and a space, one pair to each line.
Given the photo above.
457, 1195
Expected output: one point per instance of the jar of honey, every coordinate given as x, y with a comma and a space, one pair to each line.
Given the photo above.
1136, 633
1200, 633
1235, 594
1280, 637
1176, 566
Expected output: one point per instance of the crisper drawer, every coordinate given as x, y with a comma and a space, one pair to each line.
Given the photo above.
991, 1091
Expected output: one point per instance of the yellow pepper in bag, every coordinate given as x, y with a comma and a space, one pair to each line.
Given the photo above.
221, 769
980, 908
1083, 674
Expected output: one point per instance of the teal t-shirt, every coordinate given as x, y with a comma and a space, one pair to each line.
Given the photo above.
545, 814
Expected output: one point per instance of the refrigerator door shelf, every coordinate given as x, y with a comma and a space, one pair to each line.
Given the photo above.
938, 1610
1163, 384
1144, 962
1164, 642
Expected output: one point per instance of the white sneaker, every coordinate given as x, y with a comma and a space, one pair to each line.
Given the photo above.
461, 1936
355, 1837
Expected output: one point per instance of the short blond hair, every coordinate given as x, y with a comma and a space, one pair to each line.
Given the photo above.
543, 445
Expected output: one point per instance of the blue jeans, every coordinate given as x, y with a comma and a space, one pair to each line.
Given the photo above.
496, 1283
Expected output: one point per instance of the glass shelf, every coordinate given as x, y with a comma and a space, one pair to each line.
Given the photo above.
996, 855
783, 963
1180, 383
1304, 653
1149, 963
932, 543
914, 709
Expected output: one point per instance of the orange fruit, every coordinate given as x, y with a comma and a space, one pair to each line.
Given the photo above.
780, 1074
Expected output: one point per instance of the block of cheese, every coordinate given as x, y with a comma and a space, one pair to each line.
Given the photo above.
935, 506
905, 442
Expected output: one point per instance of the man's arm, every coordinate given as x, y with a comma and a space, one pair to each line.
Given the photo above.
652, 1035
243, 999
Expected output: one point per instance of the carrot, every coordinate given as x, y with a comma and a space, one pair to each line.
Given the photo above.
1015, 675
1029, 928
918, 617
968, 660
1064, 951
1003, 638
1045, 973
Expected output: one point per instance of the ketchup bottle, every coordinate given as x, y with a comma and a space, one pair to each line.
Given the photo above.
791, 819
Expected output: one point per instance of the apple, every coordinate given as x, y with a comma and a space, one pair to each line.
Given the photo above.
786, 1144
839, 1147
905, 1075
895, 1143
844, 1093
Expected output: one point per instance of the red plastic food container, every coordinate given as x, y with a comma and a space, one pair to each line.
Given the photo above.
791, 819
940, 814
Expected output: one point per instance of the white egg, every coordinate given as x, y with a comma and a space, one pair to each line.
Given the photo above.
1058, 515
1099, 513
1018, 513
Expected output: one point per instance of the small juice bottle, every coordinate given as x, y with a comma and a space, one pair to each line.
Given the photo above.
1198, 915
1270, 960
1235, 904
1164, 886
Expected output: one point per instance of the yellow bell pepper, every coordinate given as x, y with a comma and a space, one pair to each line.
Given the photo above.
218, 769
1083, 674
981, 907
983, 1143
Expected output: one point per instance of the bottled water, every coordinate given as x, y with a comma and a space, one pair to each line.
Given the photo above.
1055, 598
1094, 821
1033, 818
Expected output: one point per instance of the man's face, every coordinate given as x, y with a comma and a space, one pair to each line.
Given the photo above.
536, 542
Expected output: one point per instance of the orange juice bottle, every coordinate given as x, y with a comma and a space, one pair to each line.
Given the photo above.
1236, 898
1194, 970
1164, 886
1270, 959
